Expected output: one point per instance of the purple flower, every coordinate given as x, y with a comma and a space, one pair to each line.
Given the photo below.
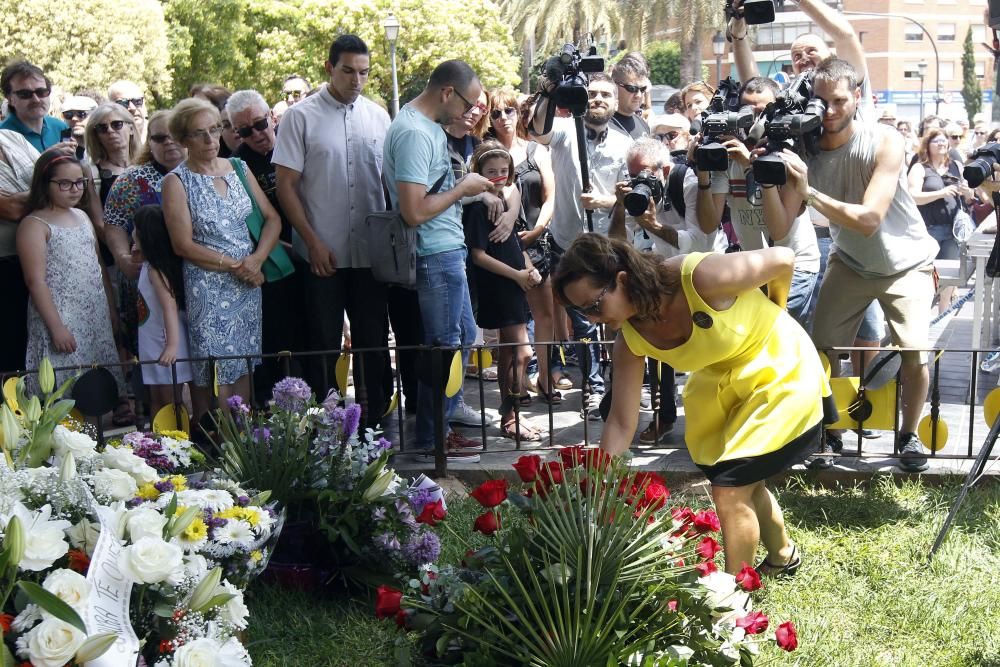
387, 541
262, 434
243, 501
383, 445
291, 394
164, 486
378, 514
236, 404
424, 547
352, 418
331, 401
419, 498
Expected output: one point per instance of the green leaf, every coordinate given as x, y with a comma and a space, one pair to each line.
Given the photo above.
163, 609
6, 659
171, 507
53, 605
216, 601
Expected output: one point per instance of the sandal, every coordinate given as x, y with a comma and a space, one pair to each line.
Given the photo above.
527, 433
553, 397
524, 399
789, 569
563, 383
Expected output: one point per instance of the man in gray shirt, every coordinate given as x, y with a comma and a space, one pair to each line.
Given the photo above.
881, 249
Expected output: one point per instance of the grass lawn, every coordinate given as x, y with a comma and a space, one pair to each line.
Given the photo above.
864, 595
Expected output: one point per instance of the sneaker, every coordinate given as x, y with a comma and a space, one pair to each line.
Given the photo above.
452, 455
645, 399
834, 442
457, 442
592, 409
912, 457
990, 363
651, 437
465, 415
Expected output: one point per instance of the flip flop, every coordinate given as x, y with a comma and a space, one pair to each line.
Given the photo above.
789, 569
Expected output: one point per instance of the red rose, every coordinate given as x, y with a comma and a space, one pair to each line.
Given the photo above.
491, 492
596, 458
707, 548
655, 495
432, 514
682, 515
401, 619
707, 521
571, 456
754, 623
487, 523
786, 637
706, 568
748, 578
527, 467
552, 473
639, 481
387, 600
672, 605
5, 621
78, 561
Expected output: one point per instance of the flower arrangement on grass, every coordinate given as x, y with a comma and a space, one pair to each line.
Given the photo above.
334, 480
602, 572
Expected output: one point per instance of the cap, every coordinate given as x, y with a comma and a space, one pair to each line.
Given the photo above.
674, 121
78, 103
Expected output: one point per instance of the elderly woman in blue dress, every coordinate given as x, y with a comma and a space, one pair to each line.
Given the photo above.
206, 208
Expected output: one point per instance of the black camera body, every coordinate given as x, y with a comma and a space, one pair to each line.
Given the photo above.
794, 120
980, 165
724, 117
568, 70
645, 187
755, 12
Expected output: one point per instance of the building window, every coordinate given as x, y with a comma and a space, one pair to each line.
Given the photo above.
978, 34
980, 69
913, 33
911, 70
946, 32
947, 71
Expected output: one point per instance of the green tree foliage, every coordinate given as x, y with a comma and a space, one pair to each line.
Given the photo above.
89, 45
664, 63
972, 93
244, 44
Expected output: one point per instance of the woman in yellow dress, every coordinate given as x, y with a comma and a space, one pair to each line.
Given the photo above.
753, 402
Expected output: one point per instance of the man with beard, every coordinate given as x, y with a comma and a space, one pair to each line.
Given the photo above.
28, 92
882, 251
606, 162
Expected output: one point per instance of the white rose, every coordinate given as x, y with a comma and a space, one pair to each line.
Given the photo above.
115, 484
53, 643
84, 536
123, 459
144, 522
199, 653
70, 587
151, 560
195, 568
233, 654
80, 445
235, 610
44, 540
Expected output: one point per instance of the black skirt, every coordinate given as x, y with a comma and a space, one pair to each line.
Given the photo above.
753, 469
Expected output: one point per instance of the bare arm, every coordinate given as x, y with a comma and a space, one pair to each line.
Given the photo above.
710, 206
171, 318
12, 205
32, 239
777, 217
915, 183
418, 207
719, 279
836, 25
93, 208
504, 225
626, 391
544, 162
746, 64
493, 265
538, 119
178, 218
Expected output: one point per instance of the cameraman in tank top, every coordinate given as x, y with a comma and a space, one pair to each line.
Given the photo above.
881, 249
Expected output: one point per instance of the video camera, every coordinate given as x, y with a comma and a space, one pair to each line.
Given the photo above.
980, 165
754, 11
645, 186
568, 70
723, 117
794, 120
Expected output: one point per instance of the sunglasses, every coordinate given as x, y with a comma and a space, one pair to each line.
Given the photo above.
66, 185
70, 115
26, 94
468, 105
134, 101
159, 138
668, 136
632, 89
293, 93
956, 137
506, 111
103, 128
594, 308
260, 126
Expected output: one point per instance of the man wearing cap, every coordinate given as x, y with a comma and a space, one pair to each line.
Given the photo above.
887, 117
75, 110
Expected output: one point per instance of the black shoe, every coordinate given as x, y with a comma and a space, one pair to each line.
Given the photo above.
867, 434
912, 457
834, 442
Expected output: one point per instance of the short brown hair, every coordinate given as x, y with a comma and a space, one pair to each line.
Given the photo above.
501, 98
20, 68
184, 113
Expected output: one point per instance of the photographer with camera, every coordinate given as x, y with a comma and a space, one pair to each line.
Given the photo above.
605, 156
746, 198
881, 249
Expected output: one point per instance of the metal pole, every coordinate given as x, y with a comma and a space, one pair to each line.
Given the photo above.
718, 68
921, 115
395, 84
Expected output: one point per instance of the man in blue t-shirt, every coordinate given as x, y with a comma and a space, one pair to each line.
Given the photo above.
27, 91
415, 163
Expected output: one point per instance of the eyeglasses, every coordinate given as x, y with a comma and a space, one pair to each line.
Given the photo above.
205, 135
956, 137
102, 128
160, 138
668, 136
941, 141
260, 126
468, 105
632, 89
66, 185
506, 111
594, 308
293, 93
134, 101
70, 115
26, 94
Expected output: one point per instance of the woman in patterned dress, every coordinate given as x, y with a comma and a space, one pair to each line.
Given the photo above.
206, 207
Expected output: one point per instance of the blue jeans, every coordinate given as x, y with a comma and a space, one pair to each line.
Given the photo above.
446, 312
584, 328
800, 295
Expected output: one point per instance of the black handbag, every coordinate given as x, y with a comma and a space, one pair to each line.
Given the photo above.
392, 245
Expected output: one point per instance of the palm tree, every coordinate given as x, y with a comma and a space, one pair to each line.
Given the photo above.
691, 19
551, 23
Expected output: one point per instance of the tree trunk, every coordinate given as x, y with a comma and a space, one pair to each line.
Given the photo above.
691, 58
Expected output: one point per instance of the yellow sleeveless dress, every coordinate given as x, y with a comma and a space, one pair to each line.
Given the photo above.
756, 382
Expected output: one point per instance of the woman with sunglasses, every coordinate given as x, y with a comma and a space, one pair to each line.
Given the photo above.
754, 396
112, 145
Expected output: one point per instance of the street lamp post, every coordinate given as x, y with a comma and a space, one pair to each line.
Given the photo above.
391, 27
718, 48
922, 72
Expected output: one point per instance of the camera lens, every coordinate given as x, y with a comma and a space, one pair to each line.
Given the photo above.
637, 201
